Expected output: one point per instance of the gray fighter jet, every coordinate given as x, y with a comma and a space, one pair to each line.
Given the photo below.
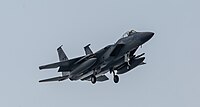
117, 58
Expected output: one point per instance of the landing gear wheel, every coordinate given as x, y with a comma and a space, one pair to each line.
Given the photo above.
93, 79
116, 78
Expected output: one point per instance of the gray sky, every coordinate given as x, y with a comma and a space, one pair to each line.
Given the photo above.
31, 31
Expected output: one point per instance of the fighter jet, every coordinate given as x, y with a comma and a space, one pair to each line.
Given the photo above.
117, 58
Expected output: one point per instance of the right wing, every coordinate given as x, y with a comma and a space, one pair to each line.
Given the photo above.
66, 63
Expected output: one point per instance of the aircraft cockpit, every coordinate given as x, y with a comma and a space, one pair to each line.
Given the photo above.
128, 33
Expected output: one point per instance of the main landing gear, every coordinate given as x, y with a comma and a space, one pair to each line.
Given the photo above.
93, 79
115, 77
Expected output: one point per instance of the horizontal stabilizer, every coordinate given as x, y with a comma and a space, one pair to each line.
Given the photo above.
53, 65
60, 78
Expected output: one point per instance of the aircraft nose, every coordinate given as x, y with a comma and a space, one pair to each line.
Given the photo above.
147, 36
151, 34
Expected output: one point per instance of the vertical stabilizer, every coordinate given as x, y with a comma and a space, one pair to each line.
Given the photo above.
88, 50
61, 54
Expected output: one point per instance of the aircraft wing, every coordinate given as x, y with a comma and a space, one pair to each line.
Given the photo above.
116, 49
66, 63
60, 78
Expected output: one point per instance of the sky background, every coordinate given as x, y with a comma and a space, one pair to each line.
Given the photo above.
31, 30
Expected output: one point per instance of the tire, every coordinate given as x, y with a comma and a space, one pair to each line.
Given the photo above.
93, 79
116, 78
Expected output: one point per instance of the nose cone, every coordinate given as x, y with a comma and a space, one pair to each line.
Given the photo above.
146, 36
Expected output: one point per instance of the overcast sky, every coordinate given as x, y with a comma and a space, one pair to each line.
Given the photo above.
31, 30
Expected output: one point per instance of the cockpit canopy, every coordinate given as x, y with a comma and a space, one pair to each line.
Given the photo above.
128, 33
